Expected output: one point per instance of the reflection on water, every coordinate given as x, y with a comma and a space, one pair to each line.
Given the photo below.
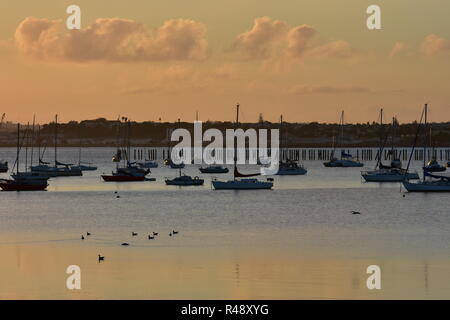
298, 241
38, 271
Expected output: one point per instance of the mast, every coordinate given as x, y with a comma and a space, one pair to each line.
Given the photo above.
333, 144
342, 132
129, 143
380, 151
26, 140
425, 142
235, 151
18, 143
79, 150
32, 141
394, 132
56, 139
282, 137
118, 148
381, 126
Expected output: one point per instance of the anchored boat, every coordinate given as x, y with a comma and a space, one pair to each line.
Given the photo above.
347, 160
241, 184
214, 169
289, 167
23, 181
59, 169
392, 172
434, 166
130, 171
430, 182
184, 180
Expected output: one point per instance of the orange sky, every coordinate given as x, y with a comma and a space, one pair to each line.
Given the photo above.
305, 59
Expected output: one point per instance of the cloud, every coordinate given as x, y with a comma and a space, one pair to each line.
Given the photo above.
113, 40
274, 39
434, 45
302, 89
259, 42
336, 49
298, 40
398, 48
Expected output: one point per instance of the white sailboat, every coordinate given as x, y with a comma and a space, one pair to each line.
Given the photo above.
243, 183
23, 181
129, 172
392, 173
83, 165
431, 182
347, 160
59, 169
433, 165
289, 167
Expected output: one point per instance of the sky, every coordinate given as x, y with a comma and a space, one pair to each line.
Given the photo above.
167, 59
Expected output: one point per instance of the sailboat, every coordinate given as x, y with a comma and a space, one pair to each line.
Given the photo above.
23, 181
241, 184
433, 165
83, 165
129, 172
394, 172
346, 160
59, 169
184, 180
289, 167
431, 182
169, 162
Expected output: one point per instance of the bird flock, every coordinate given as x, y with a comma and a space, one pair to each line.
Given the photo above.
152, 236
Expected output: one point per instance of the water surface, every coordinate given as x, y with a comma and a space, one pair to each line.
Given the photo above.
297, 241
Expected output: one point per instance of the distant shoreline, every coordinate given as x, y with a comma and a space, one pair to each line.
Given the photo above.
110, 133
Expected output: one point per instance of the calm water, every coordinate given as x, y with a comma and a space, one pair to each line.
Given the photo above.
297, 241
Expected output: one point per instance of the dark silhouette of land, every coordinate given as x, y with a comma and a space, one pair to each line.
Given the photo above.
104, 133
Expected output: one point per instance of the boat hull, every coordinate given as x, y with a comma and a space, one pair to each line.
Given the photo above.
176, 166
57, 172
343, 164
10, 185
122, 178
69, 173
214, 171
374, 177
85, 168
427, 187
240, 185
435, 169
199, 182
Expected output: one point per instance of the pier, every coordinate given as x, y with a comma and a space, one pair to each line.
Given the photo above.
319, 154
